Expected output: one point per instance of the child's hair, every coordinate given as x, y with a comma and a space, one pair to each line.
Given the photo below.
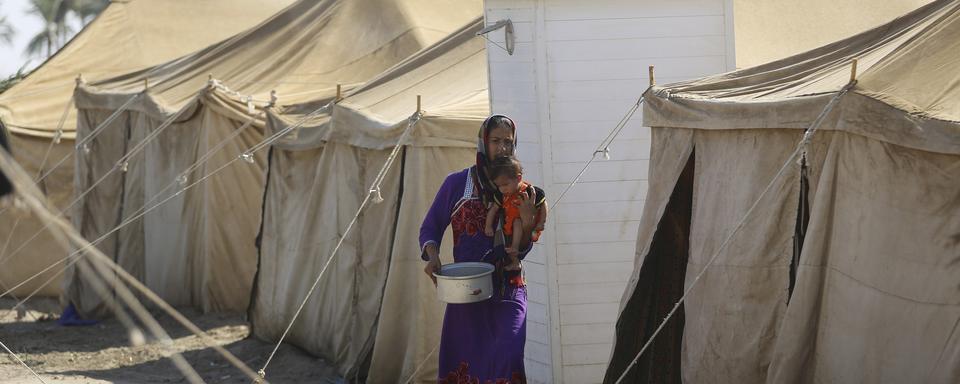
505, 166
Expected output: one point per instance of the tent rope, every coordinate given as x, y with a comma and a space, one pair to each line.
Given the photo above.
422, 363
59, 134
259, 145
89, 247
17, 358
374, 191
82, 145
120, 164
66, 236
76, 255
495, 43
801, 148
180, 179
40, 178
604, 147
46, 156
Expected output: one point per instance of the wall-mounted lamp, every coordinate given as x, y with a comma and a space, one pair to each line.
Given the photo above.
508, 37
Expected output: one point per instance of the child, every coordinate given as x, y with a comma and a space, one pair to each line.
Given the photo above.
507, 176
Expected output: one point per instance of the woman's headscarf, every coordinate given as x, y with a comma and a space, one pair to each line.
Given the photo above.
487, 190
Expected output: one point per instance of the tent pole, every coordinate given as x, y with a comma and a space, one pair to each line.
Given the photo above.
853, 71
652, 81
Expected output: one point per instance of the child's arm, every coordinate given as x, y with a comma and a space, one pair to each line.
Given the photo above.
515, 239
491, 216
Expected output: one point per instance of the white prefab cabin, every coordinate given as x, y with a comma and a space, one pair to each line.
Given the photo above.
577, 68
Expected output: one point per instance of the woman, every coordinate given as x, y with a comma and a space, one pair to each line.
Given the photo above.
482, 340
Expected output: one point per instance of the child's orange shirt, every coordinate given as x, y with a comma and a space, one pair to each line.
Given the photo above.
511, 208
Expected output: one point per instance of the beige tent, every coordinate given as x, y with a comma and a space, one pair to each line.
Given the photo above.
846, 271
198, 247
127, 36
774, 29
374, 312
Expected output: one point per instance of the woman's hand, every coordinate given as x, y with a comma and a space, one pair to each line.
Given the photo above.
433, 265
528, 211
528, 216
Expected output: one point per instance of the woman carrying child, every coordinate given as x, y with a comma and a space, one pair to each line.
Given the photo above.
481, 341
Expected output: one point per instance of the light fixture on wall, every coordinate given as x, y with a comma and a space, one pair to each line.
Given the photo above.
508, 37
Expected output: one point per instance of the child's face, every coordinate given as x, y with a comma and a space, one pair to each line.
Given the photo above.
507, 184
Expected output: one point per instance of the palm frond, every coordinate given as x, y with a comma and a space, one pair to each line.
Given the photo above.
6, 31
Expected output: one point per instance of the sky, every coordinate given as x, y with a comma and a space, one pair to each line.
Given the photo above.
25, 26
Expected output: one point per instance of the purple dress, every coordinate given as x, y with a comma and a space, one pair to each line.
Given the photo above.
480, 341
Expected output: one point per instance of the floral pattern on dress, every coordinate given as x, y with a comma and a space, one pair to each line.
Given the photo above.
469, 220
462, 376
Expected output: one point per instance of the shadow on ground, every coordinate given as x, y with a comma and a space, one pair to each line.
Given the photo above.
103, 352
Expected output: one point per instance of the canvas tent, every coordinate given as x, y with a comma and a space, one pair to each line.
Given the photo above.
774, 29
127, 36
374, 311
846, 271
198, 248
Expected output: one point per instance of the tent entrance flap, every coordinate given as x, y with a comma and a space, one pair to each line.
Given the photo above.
660, 285
803, 219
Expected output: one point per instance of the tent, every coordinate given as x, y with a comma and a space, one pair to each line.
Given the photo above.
127, 36
846, 269
374, 312
198, 114
774, 29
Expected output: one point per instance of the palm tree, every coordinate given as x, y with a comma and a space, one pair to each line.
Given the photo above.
86, 10
47, 41
6, 31
56, 31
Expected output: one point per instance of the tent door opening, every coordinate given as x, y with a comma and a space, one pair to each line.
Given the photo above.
660, 284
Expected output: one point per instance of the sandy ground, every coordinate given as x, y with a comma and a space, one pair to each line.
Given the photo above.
102, 353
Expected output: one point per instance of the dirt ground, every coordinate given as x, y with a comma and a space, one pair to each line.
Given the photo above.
102, 353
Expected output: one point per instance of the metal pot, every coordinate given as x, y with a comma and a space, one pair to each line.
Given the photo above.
468, 282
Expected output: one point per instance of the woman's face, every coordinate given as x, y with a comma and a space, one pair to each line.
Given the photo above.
499, 143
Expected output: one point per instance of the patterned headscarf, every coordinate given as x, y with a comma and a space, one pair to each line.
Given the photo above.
480, 178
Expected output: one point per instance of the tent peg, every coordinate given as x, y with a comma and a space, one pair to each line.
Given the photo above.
418, 104
339, 88
650, 71
853, 71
